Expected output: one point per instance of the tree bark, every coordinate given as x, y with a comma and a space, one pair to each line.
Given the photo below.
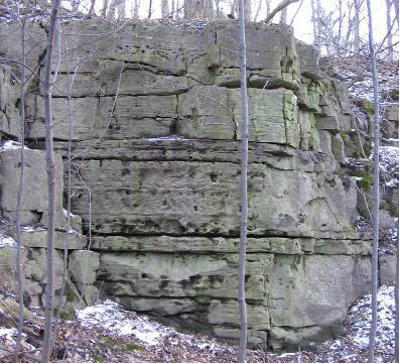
19, 272
173, 9
396, 10
282, 5
389, 29
104, 9
375, 212
284, 16
111, 11
121, 9
50, 169
136, 9
340, 25
164, 8
247, 9
198, 9
357, 10
91, 9
396, 295
243, 186
150, 9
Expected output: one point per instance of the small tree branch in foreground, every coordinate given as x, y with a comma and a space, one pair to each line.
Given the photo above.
280, 7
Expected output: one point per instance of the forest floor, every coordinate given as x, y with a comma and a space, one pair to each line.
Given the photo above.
106, 332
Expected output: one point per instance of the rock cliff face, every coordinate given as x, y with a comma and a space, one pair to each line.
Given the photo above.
155, 117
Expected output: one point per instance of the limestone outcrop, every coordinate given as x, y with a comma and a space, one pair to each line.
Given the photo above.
154, 114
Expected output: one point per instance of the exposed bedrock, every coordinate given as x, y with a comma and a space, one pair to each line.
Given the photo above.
155, 118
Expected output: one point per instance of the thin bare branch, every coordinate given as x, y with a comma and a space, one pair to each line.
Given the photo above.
279, 8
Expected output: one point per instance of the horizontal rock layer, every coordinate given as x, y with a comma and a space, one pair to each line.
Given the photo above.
155, 116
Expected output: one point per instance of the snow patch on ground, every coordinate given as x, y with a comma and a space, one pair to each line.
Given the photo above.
7, 242
110, 317
7, 335
360, 320
67, 214
389, 163
117, 321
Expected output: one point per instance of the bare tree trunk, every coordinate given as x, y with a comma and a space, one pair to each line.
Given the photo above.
389, 29
91, 10
104, 9
247, 9
19, 272
314, 18
111, 12
258, 11
340, 25
136, 9
200, 9
164, 8
243, 186
121, 9
375, 212
50, 169
396, 295
173, 9
208, 12
357, 10
350, 22
268, 3
233, 9
150, 9
396, 10
217, 9
284, 16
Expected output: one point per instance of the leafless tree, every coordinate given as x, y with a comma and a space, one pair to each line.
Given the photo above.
164, 8
150, 12
136, 9
340, 20
389, 29
396, 11
357, 19
243, 185
112, 10
375, 212
104, 9
200, 9
173, 9
51, 181
247, 9
115, 5
284, 16
121, 9
234, 6
282, 5
315, 17
18, 261
396, 297
91, 9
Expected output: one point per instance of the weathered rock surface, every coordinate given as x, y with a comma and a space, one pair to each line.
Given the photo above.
155, 119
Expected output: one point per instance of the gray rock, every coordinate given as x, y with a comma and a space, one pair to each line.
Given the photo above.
83, 265
387, 269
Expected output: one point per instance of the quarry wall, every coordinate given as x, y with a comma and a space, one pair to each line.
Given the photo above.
153, 113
